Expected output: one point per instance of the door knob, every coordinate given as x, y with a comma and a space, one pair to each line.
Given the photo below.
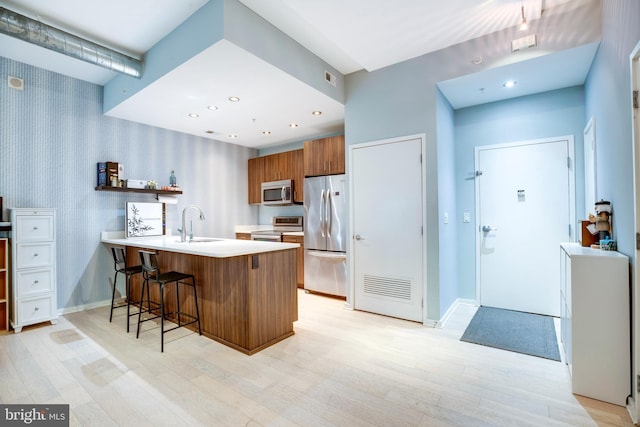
488, 228
358, 237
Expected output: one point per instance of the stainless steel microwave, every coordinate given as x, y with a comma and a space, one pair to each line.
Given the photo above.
277, 193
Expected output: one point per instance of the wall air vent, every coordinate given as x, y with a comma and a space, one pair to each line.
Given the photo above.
524, 43
330, 78
392, 287
16, 83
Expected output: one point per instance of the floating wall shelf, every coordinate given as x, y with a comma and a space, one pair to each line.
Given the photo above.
136, 190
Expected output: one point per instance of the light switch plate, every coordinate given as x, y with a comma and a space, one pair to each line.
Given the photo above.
466, 217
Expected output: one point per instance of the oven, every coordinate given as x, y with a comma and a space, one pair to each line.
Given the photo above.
280, 224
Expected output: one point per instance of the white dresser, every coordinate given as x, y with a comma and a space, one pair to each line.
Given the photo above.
595, 325
33, 270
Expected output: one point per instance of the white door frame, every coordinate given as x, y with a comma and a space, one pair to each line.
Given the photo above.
572, 191
352, 281
632, 405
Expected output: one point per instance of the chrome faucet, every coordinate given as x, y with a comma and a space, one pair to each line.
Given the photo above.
183, 230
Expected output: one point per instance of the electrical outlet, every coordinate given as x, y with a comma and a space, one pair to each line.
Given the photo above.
445, 217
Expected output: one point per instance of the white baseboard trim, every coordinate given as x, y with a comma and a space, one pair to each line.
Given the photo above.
632, 410
447, 315
83, 307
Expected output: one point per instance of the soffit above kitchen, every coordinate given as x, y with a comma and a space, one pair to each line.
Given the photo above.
274, 87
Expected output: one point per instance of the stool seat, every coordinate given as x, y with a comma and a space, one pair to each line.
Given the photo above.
152, 275
120, 267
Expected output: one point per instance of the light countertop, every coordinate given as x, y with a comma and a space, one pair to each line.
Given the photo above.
220, 248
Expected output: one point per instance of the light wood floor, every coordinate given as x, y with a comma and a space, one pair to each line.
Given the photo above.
342, 367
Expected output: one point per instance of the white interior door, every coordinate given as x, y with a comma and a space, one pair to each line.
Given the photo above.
387, 220
524, 201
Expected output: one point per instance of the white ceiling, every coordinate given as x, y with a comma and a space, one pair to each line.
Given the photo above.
349, 35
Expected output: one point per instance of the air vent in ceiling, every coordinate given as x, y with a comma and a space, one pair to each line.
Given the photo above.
330, 78
524, 43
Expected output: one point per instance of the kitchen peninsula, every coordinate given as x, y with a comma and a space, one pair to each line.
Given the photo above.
246, 289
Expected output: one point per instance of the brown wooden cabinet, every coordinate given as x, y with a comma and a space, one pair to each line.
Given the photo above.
324, 156
4, 285
299, 257
243, 236
276, 167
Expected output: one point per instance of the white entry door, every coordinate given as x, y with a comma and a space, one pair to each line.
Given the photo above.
524, 196
387, 219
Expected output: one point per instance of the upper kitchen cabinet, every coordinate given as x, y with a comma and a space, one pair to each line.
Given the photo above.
324, 156
276, 167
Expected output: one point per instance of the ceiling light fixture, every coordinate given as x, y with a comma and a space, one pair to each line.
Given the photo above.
316, 113
209, 131
266, 132
212, 107
509, 84
523, 24
293, 125
194, 115
233, 135
234, 99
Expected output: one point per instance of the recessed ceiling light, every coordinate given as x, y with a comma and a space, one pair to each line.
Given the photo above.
233, 135
293, 125
234, 99
209, 131
316, 113
212, 107
194, 115
266, 132
509, 83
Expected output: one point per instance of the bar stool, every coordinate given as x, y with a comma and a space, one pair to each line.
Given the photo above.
120, 266
151, 274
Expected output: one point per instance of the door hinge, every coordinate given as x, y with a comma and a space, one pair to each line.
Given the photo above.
569, 230
638, 241
638, 383
569, 162
478, 173
635, 99
421, 158
422, 230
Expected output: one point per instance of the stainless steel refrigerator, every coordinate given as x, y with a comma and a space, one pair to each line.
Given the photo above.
325, 232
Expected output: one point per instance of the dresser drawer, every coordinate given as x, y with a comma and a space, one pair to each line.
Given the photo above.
35, 310
34, 255
32, 282
34, 228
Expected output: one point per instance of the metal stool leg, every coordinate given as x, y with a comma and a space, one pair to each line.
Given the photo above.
113, 295
162, 318
128, 283
141, 305
195, 295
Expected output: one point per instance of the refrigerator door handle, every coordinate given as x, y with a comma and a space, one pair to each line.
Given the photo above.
329, 216
322, 216
338, 256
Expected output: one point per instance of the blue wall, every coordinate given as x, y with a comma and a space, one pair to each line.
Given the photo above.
544, 115
53, 133
447, 204
608, 100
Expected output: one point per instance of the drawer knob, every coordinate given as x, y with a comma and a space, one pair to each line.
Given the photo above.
35, 282
35, 228
36, 254
36, 309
